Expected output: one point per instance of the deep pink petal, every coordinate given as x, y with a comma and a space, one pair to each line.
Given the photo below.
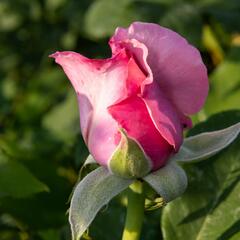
164, 115
176, 65
133, 116
135, 78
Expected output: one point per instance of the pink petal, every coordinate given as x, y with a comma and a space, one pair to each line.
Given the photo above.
99, 84
135, 78
133, 116
164, 115
176, 65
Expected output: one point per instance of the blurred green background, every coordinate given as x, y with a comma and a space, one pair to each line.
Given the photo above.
41, 148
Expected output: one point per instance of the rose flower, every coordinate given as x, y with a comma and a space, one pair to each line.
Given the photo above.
134, 106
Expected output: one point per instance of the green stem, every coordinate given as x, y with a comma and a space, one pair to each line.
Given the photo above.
135, 212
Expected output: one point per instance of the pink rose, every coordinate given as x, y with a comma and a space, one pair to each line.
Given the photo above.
149, 86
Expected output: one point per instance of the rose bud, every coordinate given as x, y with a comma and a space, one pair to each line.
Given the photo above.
134, 106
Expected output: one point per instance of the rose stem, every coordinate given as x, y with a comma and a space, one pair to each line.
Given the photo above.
135, 212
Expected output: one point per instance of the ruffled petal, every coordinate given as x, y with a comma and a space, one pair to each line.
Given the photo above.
132, 115
166, 117
176, 65
137, 50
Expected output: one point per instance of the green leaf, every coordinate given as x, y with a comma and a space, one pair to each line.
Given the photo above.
190, 25
205, 145
225, 90
225, 12
111, 16
49, 234
90, 195
169, 182
17, 181
209, 209
63, 120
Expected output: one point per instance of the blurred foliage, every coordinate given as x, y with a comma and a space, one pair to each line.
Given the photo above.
41, 148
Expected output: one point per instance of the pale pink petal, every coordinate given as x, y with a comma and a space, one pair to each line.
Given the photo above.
132, 115
99, 84
176, 65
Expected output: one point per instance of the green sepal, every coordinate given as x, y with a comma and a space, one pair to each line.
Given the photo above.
169, 181
90, 195
129, 160
207, 144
